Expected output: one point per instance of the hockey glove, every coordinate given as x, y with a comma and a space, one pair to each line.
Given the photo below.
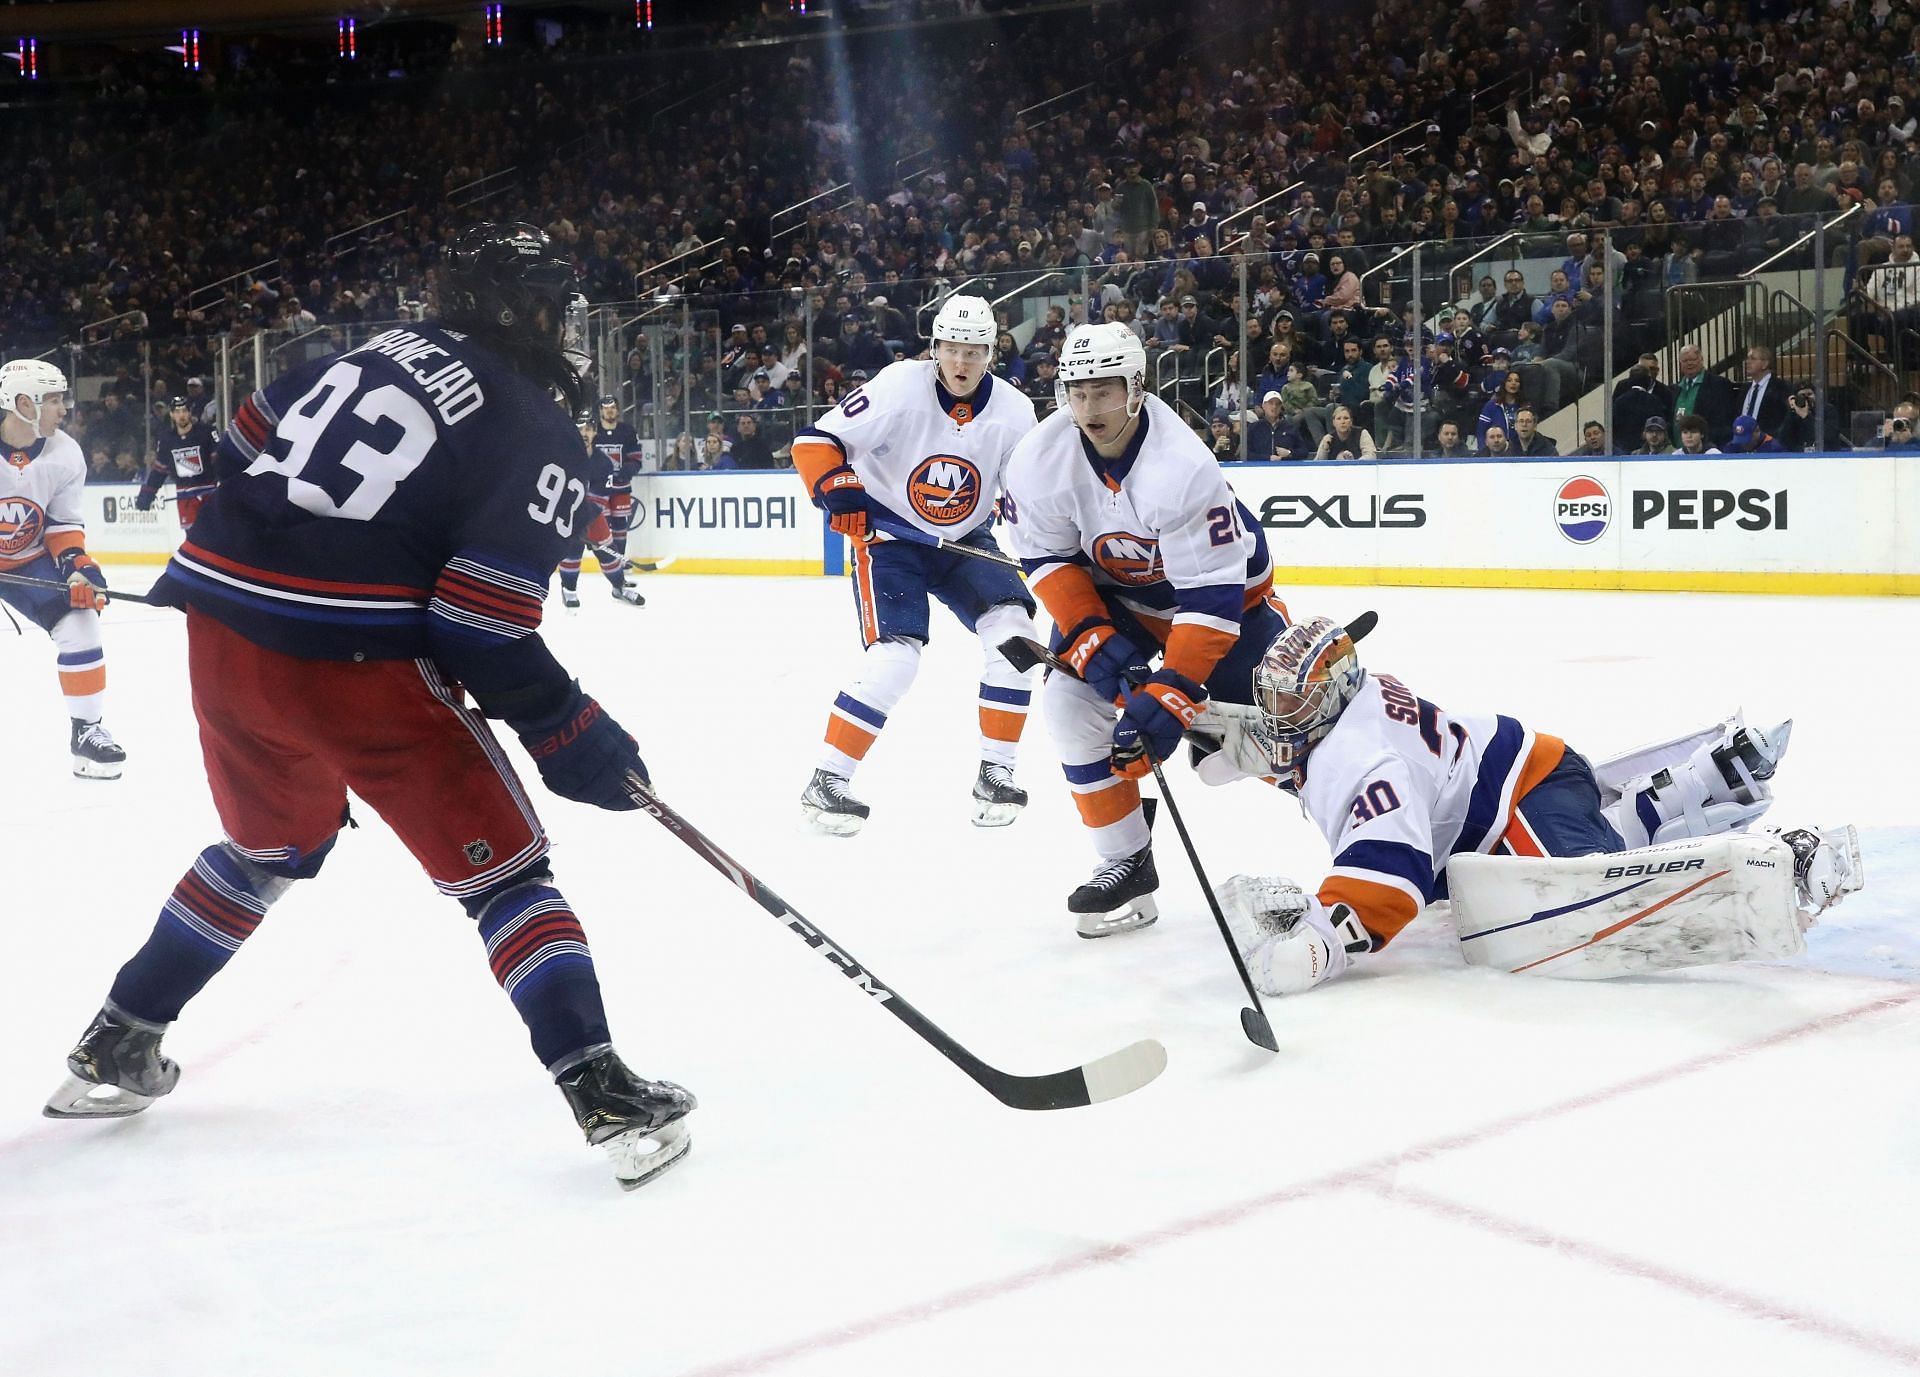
1101, 656
843, 497
86, 584
586, 755
1157, 714
144, 501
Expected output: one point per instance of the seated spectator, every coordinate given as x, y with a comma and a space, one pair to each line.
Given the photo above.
1344, 439
1272, 435
1694, 437
1007, 362
1799, 434
1749, 438
751, 448
682, 455
1042, 381
1493, 444
1654, 438
1448, 443
1527, 439
1501, 409
1221, 440
1593, 440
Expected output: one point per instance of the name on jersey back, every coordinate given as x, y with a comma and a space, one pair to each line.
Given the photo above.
450, 386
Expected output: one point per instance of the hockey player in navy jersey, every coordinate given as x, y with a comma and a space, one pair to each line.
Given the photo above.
611, 498
377, 551
183, 456
618, 444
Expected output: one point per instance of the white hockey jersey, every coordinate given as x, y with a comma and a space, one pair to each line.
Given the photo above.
932, 460
1157, 530
1399, 785
42, 493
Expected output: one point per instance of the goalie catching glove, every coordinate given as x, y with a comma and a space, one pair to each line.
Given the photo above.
1289, 939
86, 584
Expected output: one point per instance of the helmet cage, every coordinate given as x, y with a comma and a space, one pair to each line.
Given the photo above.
1302, 684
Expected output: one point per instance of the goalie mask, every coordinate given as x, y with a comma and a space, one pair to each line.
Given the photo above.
1302, 685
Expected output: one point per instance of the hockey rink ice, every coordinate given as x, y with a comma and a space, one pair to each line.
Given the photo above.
1443, 1171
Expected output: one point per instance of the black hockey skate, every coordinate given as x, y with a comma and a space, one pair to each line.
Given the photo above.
830, 808
1119, 897
639, 1122
116, 1070
96, 755
997, 800
630, 595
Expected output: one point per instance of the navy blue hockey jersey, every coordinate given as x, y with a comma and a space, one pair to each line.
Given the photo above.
619, 450
407, 498
186, 459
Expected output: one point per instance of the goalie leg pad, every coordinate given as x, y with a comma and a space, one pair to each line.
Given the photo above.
1690, 903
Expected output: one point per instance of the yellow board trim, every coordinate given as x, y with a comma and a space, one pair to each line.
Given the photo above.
1633, 580
1628, 580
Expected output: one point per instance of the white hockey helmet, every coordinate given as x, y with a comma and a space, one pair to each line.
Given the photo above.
1106, 350
36, 379
1302, 685
966, 320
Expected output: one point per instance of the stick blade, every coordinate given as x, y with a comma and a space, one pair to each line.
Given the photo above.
1021, 653
1259, 1032
1105, 1078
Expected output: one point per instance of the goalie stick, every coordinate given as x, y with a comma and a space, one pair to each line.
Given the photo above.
1105, 1078
1024, 654
59, 586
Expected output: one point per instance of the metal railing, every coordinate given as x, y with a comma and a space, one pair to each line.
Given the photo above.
472, 194
774, 232
1807, 238
199, 297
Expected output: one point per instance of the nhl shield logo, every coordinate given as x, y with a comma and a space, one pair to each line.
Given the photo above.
478, 852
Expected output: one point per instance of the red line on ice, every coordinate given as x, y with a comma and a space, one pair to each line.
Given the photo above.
1369, 1176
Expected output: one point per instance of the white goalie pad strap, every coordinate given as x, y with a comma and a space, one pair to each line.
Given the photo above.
1690, 903
1615, 773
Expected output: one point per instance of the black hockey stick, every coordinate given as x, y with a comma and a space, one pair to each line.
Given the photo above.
60, 586
1023, 654
1106, 1078
916, 536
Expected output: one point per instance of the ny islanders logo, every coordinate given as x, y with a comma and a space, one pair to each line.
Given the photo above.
1127, 558
21, 525
1581, 509
945, 489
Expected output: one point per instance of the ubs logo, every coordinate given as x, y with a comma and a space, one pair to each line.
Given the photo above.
945, 489
1130, 559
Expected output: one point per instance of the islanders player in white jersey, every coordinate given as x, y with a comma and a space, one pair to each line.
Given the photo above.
1418, 804
919, 451
1136, 546
43, 534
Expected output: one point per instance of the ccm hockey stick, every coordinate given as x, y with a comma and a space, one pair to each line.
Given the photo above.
1109, 1077
915, 535
59, 586
1023, 654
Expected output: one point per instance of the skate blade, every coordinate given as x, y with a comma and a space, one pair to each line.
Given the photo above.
994, 814
635, 601
82, 1099
832, 824
1141, 913
640, 1155
96, 769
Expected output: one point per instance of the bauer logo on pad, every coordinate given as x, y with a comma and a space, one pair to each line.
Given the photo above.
1582, 509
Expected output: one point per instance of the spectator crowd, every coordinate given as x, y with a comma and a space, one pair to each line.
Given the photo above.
1644, 146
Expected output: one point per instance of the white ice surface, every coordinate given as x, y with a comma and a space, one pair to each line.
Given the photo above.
1444, 1171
